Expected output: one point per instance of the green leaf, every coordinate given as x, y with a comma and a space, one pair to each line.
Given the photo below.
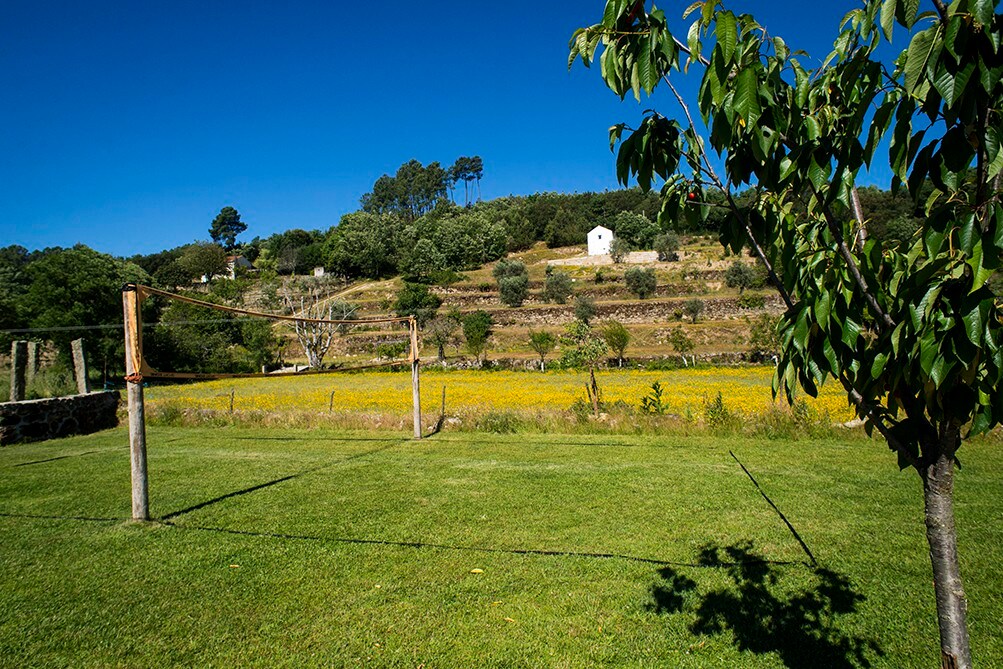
918, 55
939, 370
927, 351
906, 12
822, 308
888, 18
830, 355
727, 35
851, 332
747, 96
646, 70
812, 127
897, 337
973, 324
982, 11
878, 366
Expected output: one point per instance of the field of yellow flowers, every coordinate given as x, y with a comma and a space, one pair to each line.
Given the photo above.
745, 392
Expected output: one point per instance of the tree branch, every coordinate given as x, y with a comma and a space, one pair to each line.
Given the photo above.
882, 319
942, 10
742, 216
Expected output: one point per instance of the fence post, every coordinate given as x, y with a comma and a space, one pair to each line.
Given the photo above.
415, 392
18, 364
80, 367
34, 362
137, 413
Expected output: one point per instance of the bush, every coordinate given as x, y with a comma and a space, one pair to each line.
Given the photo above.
640, 281
717, 415
693, 308
513, 282
740, 275
414, 299
652, 402
585, 309
618, 249
667, 247
557, 287
751, 301
513, 290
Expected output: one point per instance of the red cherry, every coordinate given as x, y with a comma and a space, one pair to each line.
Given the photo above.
692, 196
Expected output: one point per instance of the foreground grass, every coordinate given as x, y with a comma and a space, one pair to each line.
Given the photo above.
322, 548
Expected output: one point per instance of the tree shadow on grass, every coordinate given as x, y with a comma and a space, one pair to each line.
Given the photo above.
762, 617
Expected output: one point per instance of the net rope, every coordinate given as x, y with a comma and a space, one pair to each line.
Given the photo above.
145, 371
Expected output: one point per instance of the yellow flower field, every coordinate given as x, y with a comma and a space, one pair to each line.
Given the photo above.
745, 390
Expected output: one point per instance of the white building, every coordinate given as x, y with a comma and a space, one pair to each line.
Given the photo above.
599, 241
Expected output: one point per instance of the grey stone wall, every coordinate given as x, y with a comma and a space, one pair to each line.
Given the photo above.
38, 420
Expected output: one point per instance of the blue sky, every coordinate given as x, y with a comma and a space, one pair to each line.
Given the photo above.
126, 126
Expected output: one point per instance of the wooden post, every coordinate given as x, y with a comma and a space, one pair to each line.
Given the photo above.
80, 366
18, 365
34, 362
137, 417
415, 391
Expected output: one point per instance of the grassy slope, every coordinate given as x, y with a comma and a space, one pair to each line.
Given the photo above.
360, 550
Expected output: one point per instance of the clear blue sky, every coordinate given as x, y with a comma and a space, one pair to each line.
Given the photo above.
127, 125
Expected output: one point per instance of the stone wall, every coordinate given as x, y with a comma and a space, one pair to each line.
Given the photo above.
38, 420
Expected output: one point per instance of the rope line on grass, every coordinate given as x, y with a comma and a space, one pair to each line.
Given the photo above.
780, 513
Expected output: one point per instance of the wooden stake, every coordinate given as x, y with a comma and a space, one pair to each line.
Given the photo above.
137, 413
33, 360
80, 366
415, 391
18, 367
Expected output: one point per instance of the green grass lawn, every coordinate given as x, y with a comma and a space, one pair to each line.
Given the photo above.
322, 548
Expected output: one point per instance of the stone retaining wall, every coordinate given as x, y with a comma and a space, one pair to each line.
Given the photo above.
38, 420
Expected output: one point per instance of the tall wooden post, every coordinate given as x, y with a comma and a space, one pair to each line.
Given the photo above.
80, 366
18, 365
415, 391
33, 360
137, 417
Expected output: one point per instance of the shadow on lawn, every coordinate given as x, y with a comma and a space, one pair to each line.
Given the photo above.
760, 615
268, 484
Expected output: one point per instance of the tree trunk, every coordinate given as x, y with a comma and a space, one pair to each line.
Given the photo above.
938, 493
595, 391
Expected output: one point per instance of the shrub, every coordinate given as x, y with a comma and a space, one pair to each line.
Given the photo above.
415, 299
717, 415
513, 282
693, 308
764, 341
640, 281
617, 338
513, 290
557, 287
667, 247
585, 309
476, 331
751, 301
618, 249
740, 275
652, 402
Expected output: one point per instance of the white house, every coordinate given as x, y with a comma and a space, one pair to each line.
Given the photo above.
599, 241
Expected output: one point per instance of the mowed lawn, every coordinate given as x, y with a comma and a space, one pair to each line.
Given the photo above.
317, 548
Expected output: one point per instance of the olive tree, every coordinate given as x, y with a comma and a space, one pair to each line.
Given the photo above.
910, 329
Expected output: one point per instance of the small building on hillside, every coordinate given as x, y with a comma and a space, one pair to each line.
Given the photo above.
599, 241
235, 262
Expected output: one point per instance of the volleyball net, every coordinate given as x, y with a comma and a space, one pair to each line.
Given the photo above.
199, 334
185, 337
